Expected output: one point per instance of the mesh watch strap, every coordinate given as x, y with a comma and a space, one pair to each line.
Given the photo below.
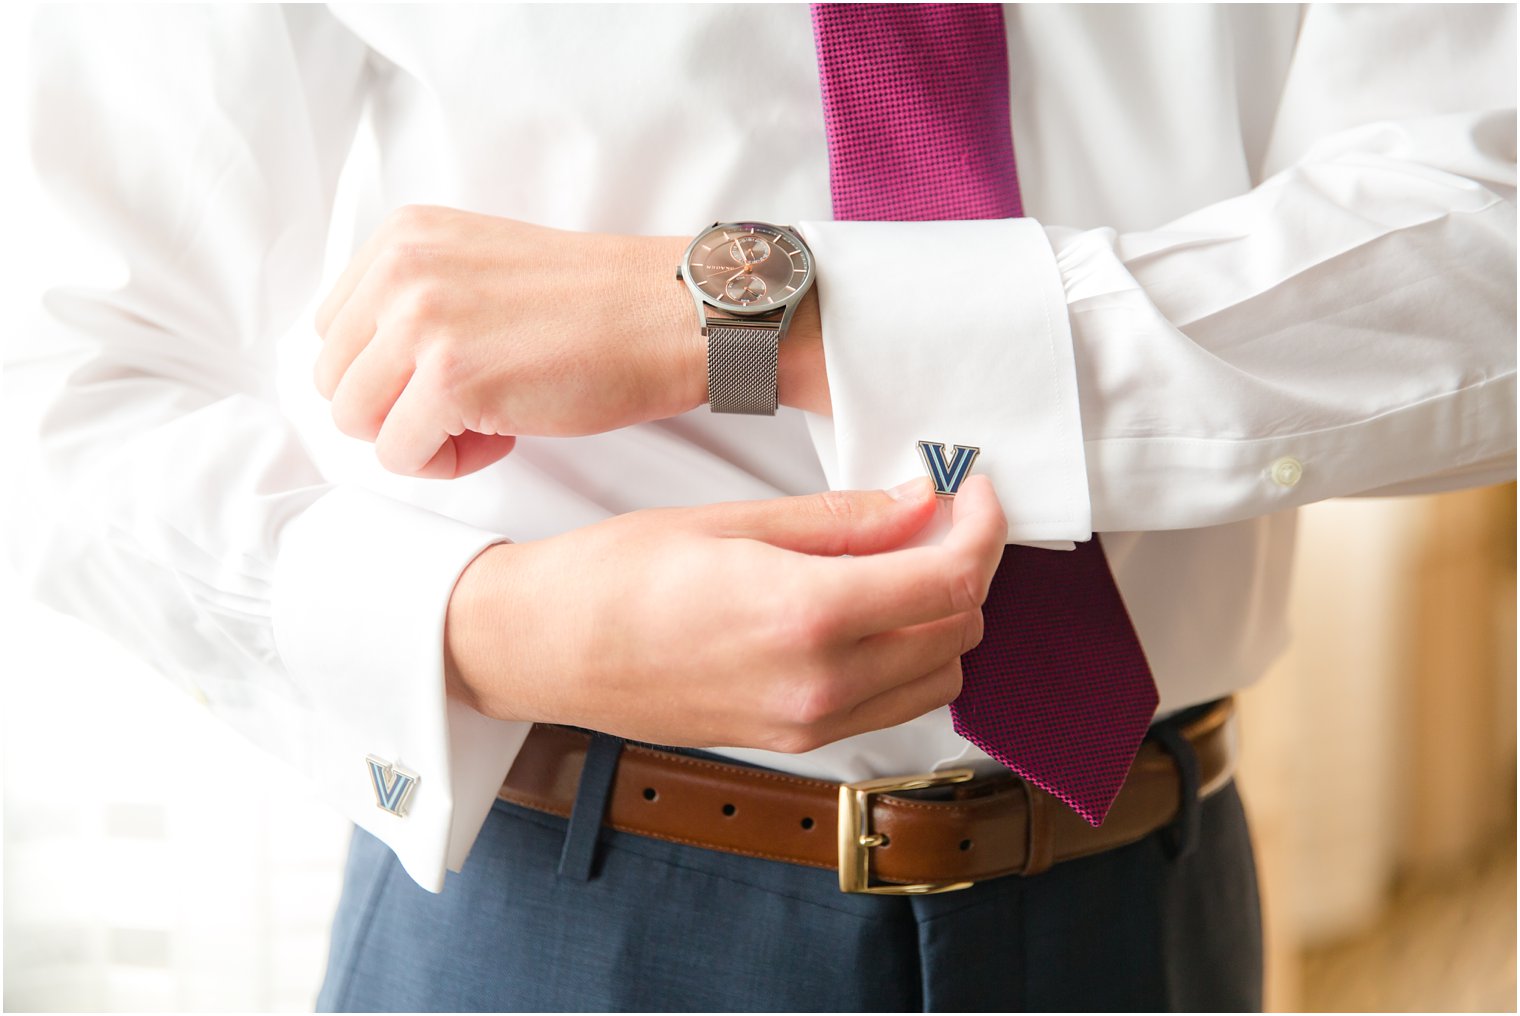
741, 368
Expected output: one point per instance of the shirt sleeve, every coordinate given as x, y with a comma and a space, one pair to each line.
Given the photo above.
1344, 327
164, 496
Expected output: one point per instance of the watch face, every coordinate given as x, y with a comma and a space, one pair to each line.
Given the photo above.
748, 267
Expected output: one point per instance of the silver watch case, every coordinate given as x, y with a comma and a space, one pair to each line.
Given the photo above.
781, 312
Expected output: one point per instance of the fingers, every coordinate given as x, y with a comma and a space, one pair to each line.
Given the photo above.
369, 388
473, 452
880, 681
349, 333
419, 437
908, 701
348, 282
831, 523
380, 393
369, 291
977, 524
897, 704
415, 432
370, 361
405, 225
891, 658
898, 589
875, 665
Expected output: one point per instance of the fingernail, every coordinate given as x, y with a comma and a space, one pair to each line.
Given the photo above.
910, 490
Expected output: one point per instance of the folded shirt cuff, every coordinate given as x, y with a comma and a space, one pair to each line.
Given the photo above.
957, 333
362, 586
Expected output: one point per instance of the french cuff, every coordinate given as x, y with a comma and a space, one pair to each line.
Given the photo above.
362, 586
954, 333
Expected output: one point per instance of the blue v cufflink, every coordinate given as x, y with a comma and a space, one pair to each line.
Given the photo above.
393, 785
947, 477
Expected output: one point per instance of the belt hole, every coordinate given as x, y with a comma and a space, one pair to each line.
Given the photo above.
650, 794
886, 841
965, 844
729, 810
807, 823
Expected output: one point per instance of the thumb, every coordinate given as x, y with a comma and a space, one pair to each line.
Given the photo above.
834, 522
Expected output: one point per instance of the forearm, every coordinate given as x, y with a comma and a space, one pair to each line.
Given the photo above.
802, 376
1346, 326
453, 333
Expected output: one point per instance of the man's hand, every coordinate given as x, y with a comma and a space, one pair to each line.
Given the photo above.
451, 332
736, 624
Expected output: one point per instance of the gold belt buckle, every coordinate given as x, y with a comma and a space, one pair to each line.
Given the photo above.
856, 839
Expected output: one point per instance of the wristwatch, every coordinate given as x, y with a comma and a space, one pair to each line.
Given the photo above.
747, 279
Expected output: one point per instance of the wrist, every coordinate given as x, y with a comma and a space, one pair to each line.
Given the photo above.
473, 629
683, 351
801, 374
802, 378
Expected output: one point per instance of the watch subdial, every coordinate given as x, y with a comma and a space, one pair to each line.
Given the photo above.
749, 250
745, 288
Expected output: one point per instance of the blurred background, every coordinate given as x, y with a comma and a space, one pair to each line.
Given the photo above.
155, 861
1379, 760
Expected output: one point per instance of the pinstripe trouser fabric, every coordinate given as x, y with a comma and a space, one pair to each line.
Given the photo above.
664, 927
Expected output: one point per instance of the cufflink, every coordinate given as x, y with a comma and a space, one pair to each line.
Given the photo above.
947, 476
393, 785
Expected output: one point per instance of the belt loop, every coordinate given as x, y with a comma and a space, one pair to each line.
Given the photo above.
1040, 852
1181, 836
578, 857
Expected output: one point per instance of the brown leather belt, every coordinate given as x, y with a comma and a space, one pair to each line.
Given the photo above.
988, 827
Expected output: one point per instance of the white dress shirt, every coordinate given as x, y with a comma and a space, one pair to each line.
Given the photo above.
1269, 260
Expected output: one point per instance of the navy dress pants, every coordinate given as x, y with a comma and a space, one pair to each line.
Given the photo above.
665, 927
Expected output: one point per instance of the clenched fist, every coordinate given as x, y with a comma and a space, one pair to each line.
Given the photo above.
451, 332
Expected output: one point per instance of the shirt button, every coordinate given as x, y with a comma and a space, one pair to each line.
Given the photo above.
1286, 472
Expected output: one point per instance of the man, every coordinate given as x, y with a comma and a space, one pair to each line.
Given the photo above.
1268, 259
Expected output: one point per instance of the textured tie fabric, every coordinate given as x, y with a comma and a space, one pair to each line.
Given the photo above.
916, 108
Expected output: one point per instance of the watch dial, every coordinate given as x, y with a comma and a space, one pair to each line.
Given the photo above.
748, 266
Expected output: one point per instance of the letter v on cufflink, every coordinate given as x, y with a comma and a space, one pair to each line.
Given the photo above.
947, 476
393, 785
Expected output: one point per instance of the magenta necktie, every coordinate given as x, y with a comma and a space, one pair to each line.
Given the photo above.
915, 103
